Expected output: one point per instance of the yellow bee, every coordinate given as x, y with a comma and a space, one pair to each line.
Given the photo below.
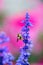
19, 37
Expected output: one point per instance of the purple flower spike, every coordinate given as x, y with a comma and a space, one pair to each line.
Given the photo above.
3, 38
26, 50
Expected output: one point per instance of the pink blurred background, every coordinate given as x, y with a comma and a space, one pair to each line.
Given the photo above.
12, 25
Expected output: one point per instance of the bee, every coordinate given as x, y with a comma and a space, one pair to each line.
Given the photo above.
19, 37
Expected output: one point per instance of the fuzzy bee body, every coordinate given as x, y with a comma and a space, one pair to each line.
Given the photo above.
19, 37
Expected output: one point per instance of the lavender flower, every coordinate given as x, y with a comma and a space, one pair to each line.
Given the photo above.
7, 57
26, 50
3, 38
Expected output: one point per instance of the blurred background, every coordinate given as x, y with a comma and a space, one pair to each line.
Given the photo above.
12, 12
